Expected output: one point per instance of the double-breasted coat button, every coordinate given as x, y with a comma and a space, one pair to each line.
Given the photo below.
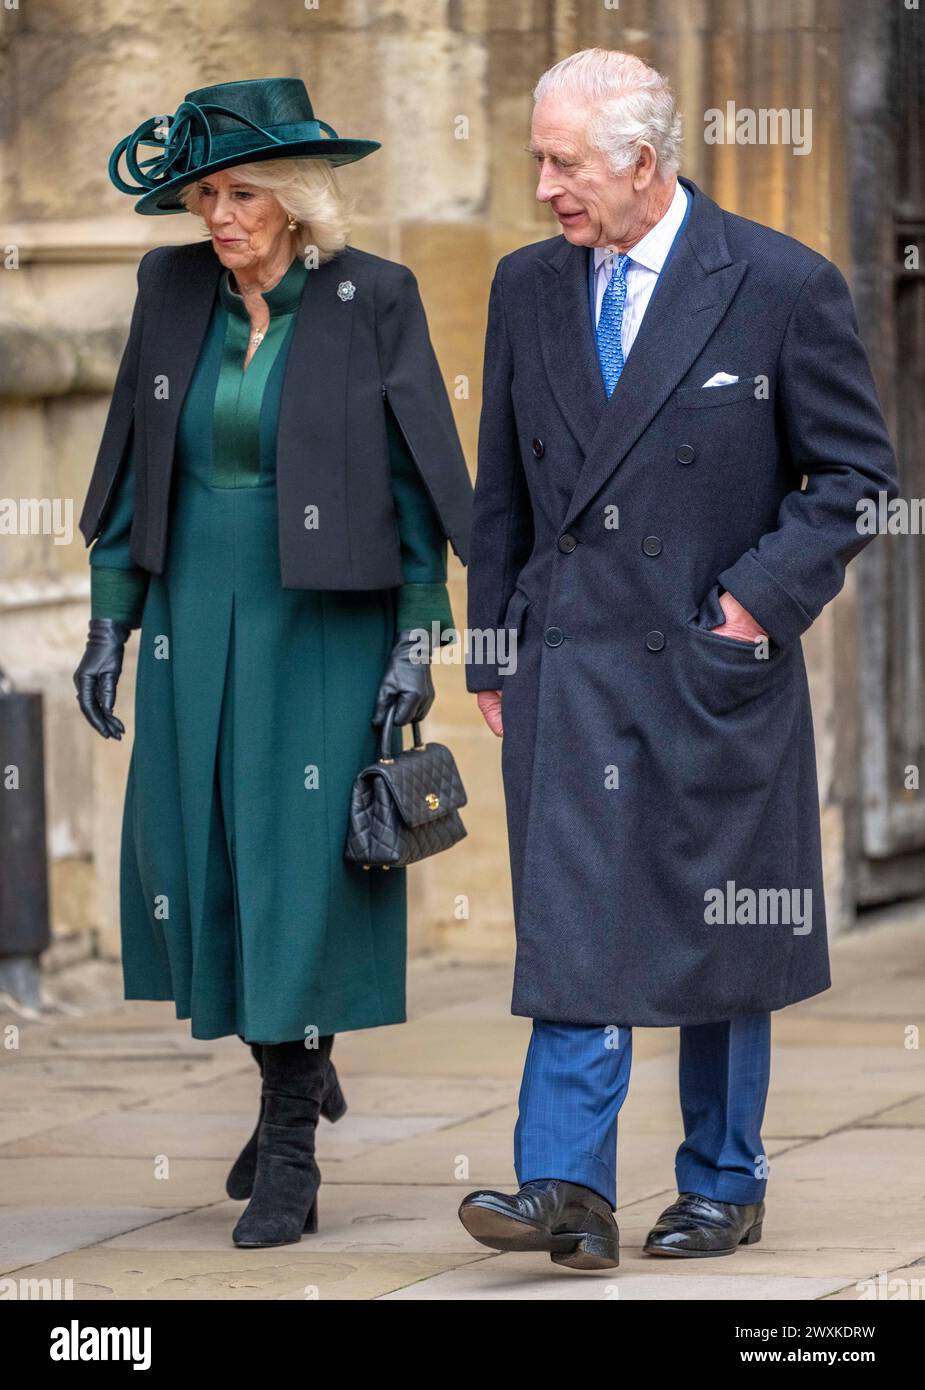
652, 546
655, 641
685, 453
554, 636
567, 543
539, 448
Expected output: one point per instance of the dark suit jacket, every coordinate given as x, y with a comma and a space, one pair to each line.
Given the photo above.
360, 338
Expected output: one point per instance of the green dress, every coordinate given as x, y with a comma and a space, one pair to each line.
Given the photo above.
252, 718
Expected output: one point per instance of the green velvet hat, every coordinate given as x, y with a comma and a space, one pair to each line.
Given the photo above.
217, 127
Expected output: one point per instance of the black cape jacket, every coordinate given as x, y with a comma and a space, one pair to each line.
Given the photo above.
360, 344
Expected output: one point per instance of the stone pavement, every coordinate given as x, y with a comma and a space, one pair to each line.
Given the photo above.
117, 1130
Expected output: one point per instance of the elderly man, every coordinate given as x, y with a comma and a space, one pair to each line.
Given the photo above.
658, 381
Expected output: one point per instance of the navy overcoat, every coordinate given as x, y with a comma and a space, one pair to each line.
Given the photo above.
660, 780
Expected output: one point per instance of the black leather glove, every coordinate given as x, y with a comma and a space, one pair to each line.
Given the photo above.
406, 681
98, 674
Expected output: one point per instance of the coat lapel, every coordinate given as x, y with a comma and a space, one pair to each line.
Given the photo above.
690, 300
317, 433
184, 317
316, 368
312, 403
567, 340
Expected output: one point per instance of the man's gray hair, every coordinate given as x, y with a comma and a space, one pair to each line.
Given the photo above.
631, 103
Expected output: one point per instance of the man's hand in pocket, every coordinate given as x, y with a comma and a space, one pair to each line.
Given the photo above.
739, 622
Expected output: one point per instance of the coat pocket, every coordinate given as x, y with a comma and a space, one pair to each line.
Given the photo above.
517, 606
728, 670
511, 632
709, 397
755, 649
726, 673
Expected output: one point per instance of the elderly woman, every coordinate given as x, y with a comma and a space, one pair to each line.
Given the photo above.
278, 477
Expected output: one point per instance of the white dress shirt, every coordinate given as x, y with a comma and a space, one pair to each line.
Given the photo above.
645, 262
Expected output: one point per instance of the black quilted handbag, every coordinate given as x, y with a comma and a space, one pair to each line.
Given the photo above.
406, 807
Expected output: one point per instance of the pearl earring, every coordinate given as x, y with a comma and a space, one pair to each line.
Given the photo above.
292, 224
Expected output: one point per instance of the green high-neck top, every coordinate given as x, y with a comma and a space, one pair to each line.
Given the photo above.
241, 452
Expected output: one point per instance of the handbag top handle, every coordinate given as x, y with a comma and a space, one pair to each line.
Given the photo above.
385, 742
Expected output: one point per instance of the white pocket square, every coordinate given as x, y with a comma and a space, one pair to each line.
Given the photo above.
720, 379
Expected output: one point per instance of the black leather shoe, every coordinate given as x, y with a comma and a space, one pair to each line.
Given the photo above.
697, 1226
573, 1223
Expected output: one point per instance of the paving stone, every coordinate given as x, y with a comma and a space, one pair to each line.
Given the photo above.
204, 1135
367, 1093
43, 1181
289, 1273
352, 1218
534, 1277
904, 1284
909, 1115
32, 1234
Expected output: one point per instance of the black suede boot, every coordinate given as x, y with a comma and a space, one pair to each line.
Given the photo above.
287, 1178
240, 1181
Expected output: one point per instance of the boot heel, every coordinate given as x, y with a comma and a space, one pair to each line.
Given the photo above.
334, 1106
591, 1252
311, 1220
753, 1236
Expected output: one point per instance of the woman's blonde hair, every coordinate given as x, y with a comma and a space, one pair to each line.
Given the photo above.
307, 190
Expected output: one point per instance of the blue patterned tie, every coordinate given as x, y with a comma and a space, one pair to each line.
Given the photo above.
610, 323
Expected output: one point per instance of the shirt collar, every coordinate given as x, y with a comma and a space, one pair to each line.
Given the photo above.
283, 298
652, 250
